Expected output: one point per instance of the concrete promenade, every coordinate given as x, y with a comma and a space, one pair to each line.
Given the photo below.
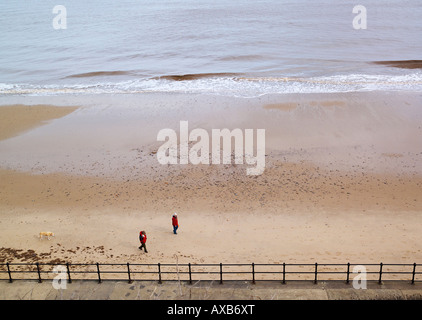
209, 290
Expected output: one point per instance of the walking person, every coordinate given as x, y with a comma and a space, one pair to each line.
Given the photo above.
175, 223
143, 240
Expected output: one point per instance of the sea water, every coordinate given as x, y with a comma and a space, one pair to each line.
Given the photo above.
237, 48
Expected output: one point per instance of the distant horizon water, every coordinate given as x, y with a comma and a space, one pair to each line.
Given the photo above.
242, 48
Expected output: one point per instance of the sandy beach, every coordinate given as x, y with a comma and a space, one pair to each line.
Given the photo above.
342, 182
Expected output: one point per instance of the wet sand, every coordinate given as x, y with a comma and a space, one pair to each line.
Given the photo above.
16, 119
343, 202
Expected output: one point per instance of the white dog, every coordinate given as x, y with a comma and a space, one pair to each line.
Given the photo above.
47, 234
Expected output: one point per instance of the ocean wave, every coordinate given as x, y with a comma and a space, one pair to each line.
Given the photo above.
229, 84
246, 57
403, 64
100, 74
195, 76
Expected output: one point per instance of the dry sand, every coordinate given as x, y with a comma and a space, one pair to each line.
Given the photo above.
296, 212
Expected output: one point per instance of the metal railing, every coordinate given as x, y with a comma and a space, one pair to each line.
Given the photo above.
216, 272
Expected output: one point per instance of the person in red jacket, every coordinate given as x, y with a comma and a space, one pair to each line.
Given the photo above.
143, 240
175, 223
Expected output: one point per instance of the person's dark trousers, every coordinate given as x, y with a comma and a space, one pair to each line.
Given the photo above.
143, 246
175, 229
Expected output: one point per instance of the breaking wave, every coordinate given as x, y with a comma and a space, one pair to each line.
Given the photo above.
229, 84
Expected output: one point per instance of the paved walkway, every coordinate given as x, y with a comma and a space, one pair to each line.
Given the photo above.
208, 290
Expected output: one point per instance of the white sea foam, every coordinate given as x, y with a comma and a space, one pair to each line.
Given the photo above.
231, 86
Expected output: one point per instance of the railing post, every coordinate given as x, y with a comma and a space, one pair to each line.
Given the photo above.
316, 273
128, 273
253, 273
190, 274
379, 280
284, 273
413, 273
221, 273
8, 271
159, 273
68, 272
98, 271
39, 272
348, 272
